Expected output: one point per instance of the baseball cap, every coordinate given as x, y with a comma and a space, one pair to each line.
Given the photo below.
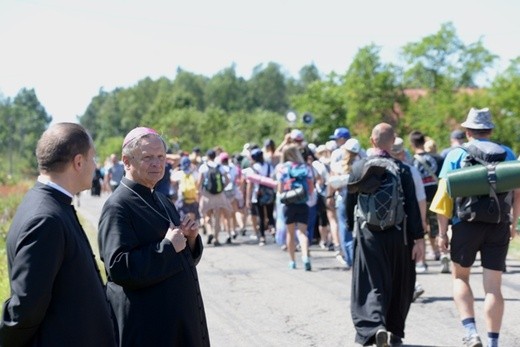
224, 156
257, 154
340, 133
352, 145
458, 135
297, 135
185, 163
398, 145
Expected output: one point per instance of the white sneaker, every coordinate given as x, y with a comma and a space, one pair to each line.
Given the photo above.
445, 264
418, 291
421, 267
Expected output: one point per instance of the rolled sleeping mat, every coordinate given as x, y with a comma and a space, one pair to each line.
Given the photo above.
263, 180
473, 180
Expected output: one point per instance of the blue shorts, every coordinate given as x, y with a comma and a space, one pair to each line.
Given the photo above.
492, 240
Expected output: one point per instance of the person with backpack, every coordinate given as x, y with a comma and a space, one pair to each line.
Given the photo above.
486, 231
294, 187
260, 197
336, 198
185, 181
212, 180
382, 211
429, 166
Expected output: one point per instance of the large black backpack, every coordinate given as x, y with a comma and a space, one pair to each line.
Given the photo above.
493, 207
380, 203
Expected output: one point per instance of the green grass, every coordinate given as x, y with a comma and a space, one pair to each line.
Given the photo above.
514, 248
92, 238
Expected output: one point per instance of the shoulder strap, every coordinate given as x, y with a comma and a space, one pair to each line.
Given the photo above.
425, 164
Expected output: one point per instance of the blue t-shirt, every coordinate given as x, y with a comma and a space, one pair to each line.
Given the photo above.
457, 155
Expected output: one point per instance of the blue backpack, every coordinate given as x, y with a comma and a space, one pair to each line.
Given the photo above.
298, 182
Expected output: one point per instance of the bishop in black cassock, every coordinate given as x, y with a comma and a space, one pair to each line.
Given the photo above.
152, 287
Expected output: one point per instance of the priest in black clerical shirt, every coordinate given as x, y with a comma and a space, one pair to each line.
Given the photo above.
150, 254
57, 295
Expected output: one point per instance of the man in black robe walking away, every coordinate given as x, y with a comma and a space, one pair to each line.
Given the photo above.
150, 254
383, 276
57, 295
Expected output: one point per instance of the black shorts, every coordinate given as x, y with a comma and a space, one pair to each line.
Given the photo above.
323, 220
492, 240
431, 219
296, 213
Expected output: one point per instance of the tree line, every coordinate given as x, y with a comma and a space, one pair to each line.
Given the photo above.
431, 89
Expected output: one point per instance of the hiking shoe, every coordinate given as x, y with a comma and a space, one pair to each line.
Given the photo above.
472, 341
421, 267
292, 265
395, 341
210, 239
445, 264
307, 265
382, 338
418, 291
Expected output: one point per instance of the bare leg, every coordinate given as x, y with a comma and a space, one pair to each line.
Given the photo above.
331, 215
290, 241
494, 301
462, 293
304, 240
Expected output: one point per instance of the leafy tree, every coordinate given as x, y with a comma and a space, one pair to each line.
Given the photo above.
90, 118
108, 118
326, 102
309, 74
24, 120
192, 85
442, 60
371, 90
227, 91
267, 89
504, 100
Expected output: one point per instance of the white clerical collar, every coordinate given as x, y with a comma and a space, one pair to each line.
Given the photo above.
55, 186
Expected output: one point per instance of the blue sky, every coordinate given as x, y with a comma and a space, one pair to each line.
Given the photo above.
68, 49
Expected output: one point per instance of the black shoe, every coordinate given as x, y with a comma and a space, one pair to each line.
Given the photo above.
382, 338
228, 241
210, 239
395, 341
